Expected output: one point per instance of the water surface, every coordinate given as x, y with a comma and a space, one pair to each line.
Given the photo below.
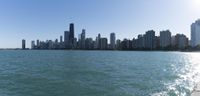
98, 73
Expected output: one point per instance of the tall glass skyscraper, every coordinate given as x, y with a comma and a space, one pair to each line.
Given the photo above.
71, 31
71, 35
23, 44
66, 39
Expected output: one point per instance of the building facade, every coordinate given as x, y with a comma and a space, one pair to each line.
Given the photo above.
82, 41
103, 43
23, 44
150, 40
66, 39
165, 38
112, 41
195, 33
181, 41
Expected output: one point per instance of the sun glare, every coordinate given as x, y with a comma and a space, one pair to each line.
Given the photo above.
196, 4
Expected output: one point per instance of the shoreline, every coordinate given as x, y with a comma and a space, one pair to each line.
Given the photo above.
189, 51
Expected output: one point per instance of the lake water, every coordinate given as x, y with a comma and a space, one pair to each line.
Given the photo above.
98, 73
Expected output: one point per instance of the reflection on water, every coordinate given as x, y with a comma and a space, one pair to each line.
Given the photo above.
187, 68
98, 73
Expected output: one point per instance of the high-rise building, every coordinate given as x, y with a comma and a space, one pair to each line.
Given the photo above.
83, 39
79, 41
38, 44
61, 44
181, 41
118, 45
89, 44
134, 43
173, 41
157, 41
140, 41
61, 39
71, 31
103, 43
75, 43
126, 44
66, 39
96, 43
32, 44
112, 40
195, 33
165, 38
150, 40
99, 41
50, 44
23, 44
56, 44
71, 35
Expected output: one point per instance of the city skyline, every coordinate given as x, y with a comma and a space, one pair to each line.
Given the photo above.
36, 19
147, 41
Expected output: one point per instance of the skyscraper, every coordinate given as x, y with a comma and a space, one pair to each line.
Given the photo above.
38, 44
140, 41
71, 35
75, 43
150, 40
23, 44
112, 40
195, 33
32, 44
118, 44
83, 39
71, 30
66, 39
96, 43
126, 44
89, 44
103, 43
165, 38
181, 41
99, 41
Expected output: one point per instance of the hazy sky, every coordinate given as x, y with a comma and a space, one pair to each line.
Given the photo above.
48, 19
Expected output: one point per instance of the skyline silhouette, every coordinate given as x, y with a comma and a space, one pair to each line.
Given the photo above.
46, 19
148, 41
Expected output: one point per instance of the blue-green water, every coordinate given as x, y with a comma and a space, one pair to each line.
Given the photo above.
98, 73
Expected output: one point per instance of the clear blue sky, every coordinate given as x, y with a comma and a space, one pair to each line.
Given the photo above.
48, 19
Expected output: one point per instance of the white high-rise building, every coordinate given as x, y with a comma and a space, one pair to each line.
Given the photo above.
150, 40
165, 38
195, 33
